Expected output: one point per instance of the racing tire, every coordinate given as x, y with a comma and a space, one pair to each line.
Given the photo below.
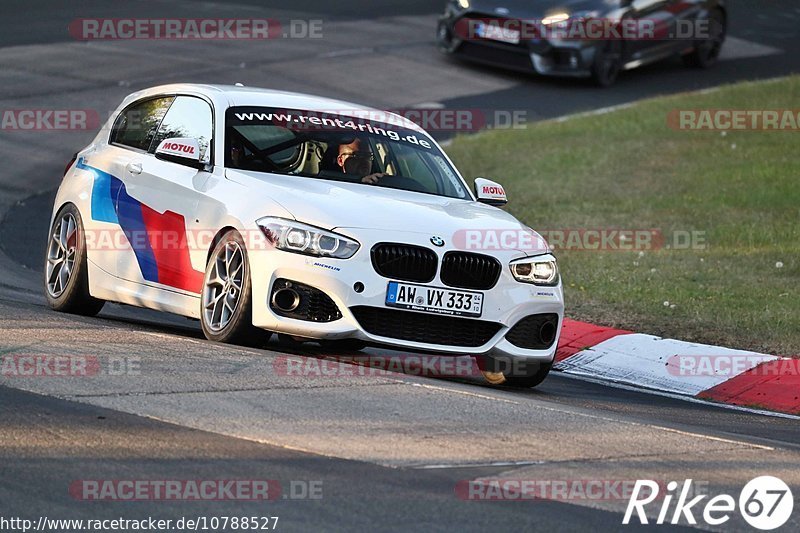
226, 303
706, 53
66, 273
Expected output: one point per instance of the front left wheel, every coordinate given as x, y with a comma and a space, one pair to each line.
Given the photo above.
66, 274
226, 302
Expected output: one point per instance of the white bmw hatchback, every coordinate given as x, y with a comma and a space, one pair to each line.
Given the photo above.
258, 211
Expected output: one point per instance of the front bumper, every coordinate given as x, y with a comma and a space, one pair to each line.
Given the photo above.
547, 57
504, 305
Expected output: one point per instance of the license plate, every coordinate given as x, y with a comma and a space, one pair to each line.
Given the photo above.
497, 33
434, 299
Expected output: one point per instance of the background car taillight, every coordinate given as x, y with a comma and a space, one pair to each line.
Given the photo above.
71, 162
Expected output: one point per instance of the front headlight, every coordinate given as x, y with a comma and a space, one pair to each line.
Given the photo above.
291, 236
463, 4
540, 270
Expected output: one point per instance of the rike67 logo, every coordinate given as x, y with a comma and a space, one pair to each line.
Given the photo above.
766, 503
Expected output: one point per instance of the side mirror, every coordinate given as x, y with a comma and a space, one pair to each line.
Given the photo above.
180, 150
489, 192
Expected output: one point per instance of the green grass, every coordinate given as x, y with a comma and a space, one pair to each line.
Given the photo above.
628, 169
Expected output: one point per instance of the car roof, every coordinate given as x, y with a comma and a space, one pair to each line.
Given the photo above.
235, 95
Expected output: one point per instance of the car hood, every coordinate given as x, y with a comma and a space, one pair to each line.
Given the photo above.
331, 205
536, 9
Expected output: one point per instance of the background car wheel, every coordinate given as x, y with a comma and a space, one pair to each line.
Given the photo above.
706, 53
226, 313
607, 63
444, 38
66, 276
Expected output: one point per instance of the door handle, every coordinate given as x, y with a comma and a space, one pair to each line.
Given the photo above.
134, 168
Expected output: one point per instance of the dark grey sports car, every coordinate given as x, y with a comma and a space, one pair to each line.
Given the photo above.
583, 38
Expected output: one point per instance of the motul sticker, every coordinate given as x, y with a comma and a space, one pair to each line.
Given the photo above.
179, 147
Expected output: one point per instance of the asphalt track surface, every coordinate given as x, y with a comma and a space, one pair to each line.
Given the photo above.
389, 450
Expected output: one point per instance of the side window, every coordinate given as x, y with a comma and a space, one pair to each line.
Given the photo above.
136, 125
188, 117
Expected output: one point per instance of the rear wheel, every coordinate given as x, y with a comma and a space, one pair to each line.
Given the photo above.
227, 305
706, 52
66, 275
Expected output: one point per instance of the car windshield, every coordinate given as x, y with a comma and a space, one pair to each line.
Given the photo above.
336, 147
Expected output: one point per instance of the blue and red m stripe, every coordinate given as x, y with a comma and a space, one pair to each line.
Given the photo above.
158, 240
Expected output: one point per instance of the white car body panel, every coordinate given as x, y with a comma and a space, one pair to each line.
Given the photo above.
209, 201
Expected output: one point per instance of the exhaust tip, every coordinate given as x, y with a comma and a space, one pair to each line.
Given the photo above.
287, 300
547, 333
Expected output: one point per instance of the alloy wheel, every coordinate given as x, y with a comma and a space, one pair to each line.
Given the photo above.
61, 254
223, 290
